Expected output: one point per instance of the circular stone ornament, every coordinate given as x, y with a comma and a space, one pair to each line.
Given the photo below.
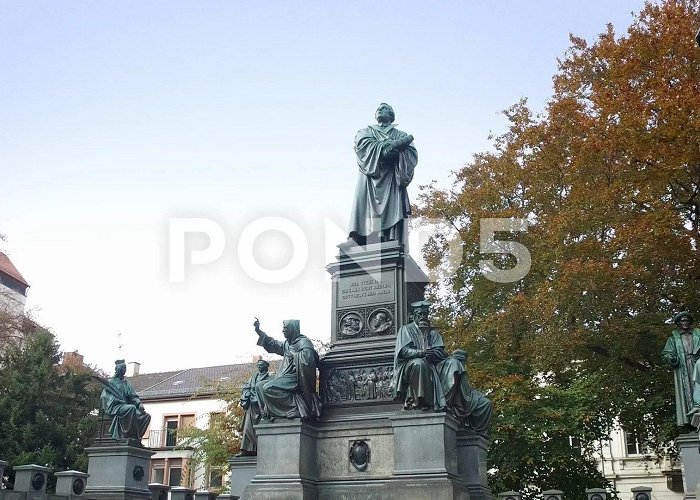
38, 481
78, 486
138, 473
359, 455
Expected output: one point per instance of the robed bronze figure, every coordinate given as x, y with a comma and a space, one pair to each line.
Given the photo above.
386, 158
291, 393
682, 351
426, 378
120, 402
249, 403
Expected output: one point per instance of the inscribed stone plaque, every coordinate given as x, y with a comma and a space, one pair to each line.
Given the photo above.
363, 289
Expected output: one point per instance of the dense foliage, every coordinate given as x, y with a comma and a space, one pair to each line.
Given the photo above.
47, 410
608, 178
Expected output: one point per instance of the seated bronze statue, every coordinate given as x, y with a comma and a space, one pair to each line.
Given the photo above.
120, 402
291, 393
426, 378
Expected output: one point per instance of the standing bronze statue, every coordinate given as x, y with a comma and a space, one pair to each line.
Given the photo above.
249, 403
291, 393
120, 402
386, 158
682, 351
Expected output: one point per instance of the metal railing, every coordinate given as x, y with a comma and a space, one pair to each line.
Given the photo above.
163, 438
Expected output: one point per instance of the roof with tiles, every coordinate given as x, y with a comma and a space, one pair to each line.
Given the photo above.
7, 267
192, 381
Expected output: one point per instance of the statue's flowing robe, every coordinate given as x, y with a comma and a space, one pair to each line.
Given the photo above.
464, 401
381, 200
683, 371
292, 392
249, 402
120, 402
415, 378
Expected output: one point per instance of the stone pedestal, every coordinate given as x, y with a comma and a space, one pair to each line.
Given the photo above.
32, 480
286, 466
640, 493
181, 493
687, 445
205, 495
365, 447
372, 287
471, 460
159, 491
242, 471
71, 483
118, 472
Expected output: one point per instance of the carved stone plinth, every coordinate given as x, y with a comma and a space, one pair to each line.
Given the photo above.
372, 286
71, 484
118, 472
690, 463
31, 479
242, 471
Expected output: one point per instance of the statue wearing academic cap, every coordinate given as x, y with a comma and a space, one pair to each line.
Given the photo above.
292, 392
682, 351
426, 378
120, 401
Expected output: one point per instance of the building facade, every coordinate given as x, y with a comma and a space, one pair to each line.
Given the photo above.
176, 400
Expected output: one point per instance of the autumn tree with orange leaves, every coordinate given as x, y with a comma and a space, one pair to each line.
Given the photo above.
608, 179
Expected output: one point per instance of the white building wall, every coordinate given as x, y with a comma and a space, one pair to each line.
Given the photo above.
160, 410
629, 470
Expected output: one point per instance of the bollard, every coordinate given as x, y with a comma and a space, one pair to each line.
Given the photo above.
159, 491
31, 478
181, 493
553, 495
596, 494
509, 495
71, 483
205, 495
641, 493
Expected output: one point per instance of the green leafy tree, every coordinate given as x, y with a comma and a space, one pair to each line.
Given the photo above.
608, 179
47, 411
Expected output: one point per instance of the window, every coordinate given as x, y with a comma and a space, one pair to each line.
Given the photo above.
175, 476
172, 424
158, 475
170, 471
216, 479
575, 442
632, 443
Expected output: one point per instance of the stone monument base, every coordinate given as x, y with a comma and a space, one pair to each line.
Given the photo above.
687, 445
403, 455
242, 471
118, 472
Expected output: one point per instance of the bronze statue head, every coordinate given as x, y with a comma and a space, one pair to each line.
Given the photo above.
385, 114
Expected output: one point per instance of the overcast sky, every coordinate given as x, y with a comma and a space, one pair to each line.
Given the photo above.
117, 117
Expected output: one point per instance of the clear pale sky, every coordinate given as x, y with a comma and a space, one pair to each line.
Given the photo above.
117, 116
